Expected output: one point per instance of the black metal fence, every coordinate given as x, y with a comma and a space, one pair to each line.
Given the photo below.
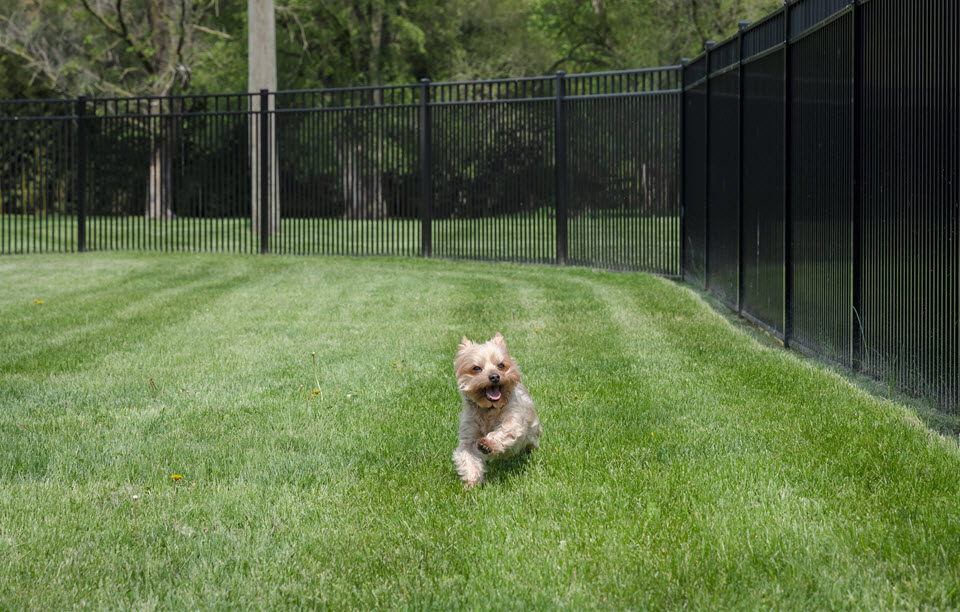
805, 171
822, 180
579, 169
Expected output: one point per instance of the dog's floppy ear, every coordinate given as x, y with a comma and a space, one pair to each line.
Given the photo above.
498, 339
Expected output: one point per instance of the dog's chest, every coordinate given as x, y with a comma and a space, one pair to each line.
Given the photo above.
488, 420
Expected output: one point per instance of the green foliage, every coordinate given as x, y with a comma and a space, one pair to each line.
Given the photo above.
590, 36
137, 47
342, 42
354, 42
16, 81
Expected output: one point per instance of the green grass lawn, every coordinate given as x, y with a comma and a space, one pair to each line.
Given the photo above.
683, 463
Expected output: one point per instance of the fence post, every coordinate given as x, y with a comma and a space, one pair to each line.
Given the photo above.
741, 27
683, 167
706, 175
787, 177
426, 164
856, 359
560, 168
81, 174
264, 182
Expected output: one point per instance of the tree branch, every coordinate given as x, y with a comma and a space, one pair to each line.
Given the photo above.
122, 32
181, 67
694, 14
103, 22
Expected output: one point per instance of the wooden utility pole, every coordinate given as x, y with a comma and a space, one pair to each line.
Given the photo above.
262, 74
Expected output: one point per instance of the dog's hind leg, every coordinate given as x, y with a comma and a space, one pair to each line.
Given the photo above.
534, 440
469, 464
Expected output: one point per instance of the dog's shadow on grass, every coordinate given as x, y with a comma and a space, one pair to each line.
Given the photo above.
504, 471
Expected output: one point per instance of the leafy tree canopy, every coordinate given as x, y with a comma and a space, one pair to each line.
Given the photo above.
123, 47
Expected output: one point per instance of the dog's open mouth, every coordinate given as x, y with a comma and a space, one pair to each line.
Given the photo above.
492, 393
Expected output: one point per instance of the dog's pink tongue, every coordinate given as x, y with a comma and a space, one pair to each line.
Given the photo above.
493, 394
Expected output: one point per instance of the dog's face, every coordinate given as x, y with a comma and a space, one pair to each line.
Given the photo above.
486, 373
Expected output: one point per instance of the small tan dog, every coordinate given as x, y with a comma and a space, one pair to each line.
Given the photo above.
498, 418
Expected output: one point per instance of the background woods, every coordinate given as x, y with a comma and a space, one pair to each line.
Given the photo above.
163, 47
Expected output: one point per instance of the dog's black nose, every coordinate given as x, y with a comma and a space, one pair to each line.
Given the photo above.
494, 378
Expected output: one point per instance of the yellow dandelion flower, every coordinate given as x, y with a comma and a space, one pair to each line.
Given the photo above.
38, 301
176, 476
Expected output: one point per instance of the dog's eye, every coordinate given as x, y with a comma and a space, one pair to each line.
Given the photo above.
477, 368
500, 366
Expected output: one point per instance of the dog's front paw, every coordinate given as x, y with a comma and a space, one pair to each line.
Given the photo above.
486, 446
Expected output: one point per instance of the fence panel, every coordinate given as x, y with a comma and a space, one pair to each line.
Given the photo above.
695, 165
850, 198
169, 174
911, 195
821, 187
38, 176
492, 150
464, 170
763, 183
723, 215
623, 171
348, 172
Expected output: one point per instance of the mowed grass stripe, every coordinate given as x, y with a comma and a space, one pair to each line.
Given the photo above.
683, 463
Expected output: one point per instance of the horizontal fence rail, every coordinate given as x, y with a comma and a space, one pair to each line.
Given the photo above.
821, 180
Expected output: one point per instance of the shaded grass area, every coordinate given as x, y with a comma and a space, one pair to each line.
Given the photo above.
684, 463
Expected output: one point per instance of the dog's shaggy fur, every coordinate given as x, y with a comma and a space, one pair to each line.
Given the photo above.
498, 418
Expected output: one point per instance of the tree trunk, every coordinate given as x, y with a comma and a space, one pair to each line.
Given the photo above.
361, 156
361, 180
159, 201
258, 183
262, 74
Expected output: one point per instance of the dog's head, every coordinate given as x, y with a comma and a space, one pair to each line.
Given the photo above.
486, 373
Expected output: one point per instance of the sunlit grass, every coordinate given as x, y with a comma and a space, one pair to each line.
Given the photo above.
683, 462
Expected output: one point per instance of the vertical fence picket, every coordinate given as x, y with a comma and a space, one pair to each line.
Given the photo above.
560, 168
856, 328
81, 194
265, 179
787, 176
426, 169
